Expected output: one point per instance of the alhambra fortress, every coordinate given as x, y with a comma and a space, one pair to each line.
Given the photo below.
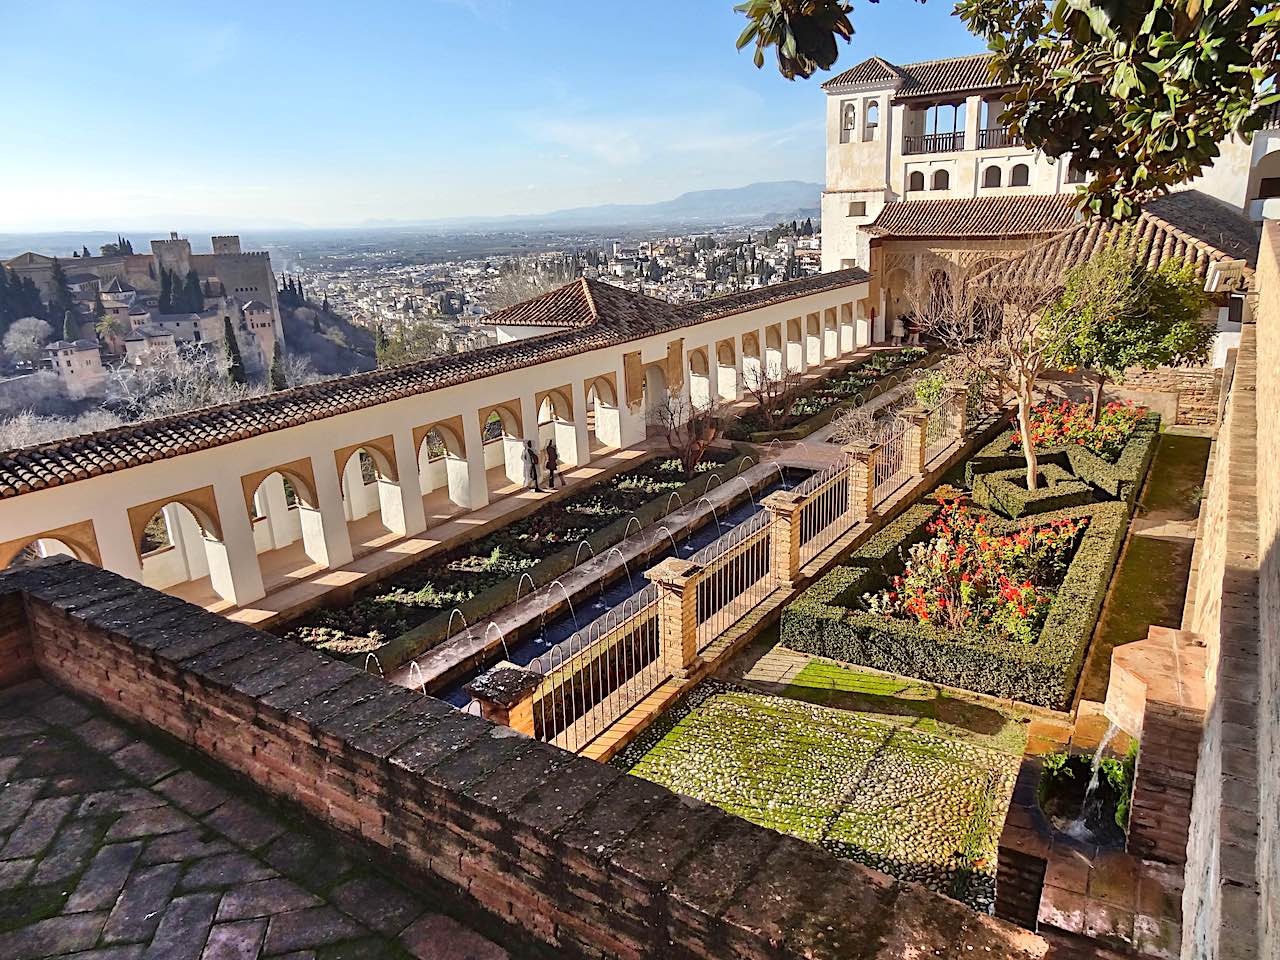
321, 674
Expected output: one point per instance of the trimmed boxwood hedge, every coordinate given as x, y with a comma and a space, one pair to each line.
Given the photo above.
1120, 480
1005, 491
822, 622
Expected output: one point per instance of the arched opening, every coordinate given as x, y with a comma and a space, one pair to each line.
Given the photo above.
813, 340
830, 334
871, 121
1020, 175
847, 332
370, 499
991, 176
795, 346
915, 181
699, 379
752, 361
1075, 174
41, 547
655, 392
288, 532
503, 448
897, 304
775, 351
443, 471
604, 418
556, 425
941, 180
180, 543
1266, 178
726, 371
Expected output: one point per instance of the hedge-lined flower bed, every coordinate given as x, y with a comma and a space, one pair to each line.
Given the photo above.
831, 619
1062, 423
1005, 491
817, 405
482, 576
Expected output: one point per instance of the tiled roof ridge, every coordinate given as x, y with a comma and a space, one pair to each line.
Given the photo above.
964, 56
591, 300
975, 216
57, 462
1213, 252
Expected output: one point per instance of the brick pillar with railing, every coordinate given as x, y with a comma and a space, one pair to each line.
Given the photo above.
505, 693
862, 479
784, 536
913, 439
677, 583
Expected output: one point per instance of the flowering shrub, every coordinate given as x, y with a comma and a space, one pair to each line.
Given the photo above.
1063, 423
965, 578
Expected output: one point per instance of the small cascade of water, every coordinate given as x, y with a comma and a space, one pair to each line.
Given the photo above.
452, 613
714, 476
714, 515
1079, 827
502, 638
377, 663
567, 599
782, 477
520, 584
422, 681
630, 583
773, 451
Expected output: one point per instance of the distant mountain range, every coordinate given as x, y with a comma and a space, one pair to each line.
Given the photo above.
775, 199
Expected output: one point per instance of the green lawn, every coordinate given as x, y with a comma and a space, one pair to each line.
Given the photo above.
914, 703
910, 803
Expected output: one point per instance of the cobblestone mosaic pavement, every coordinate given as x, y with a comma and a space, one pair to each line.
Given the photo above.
113, 848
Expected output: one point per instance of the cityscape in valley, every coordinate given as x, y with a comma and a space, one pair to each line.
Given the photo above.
594, 540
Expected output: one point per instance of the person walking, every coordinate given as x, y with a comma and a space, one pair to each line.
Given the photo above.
531, 467
551, 457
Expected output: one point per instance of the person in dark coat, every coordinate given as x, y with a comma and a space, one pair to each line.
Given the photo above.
531, 467
551, 457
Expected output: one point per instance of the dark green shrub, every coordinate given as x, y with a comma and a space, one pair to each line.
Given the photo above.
1005, 491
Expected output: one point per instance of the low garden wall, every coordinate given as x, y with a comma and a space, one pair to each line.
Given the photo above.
590, 861
826, 620
741, 429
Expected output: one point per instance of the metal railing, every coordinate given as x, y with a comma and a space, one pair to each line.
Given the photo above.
825, 516
737, 573
592, 679
934, 143
937, 430
891, 467
992, 137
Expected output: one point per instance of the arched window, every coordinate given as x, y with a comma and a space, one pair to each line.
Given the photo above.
915, 181
941, 180
991, 176
871, 120
1074, 173
1020, 175
848, 120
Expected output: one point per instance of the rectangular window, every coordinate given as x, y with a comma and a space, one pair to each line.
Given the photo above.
857, 208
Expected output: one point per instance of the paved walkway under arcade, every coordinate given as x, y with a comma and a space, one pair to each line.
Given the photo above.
113, 848
295, 584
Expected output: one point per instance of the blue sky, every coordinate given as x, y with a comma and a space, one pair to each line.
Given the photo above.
321, 114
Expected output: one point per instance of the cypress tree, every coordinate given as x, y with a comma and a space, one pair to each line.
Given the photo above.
277, 369
192, 298
61, 291
166, 291
70, 326
231, 351
85, 252
99, 311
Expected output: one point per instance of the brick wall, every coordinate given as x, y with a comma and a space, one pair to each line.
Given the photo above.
16, 659
1229, 904
1196, 389
1268, 414
591, 861
1159, 817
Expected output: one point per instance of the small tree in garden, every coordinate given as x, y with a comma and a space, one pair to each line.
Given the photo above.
688, 428
769, 387
1114, 313
25, 338
991, 328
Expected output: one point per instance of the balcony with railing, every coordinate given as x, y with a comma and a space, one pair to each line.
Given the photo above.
992, 137
934, 143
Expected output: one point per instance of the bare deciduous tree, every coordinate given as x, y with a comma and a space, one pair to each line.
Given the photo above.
990, 327
769, 387
688, 428
25, 338
27, 429
194, 377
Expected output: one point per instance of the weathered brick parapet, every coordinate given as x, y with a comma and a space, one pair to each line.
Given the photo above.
589, 860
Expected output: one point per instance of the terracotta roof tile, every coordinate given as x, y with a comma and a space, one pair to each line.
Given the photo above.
1189, 226
1007, 216
618, 317
926, 78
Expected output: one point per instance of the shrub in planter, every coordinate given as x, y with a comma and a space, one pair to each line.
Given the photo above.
1005, 491
829, 619
1076, 800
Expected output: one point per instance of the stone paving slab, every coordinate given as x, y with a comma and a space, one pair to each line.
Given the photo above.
112, 848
